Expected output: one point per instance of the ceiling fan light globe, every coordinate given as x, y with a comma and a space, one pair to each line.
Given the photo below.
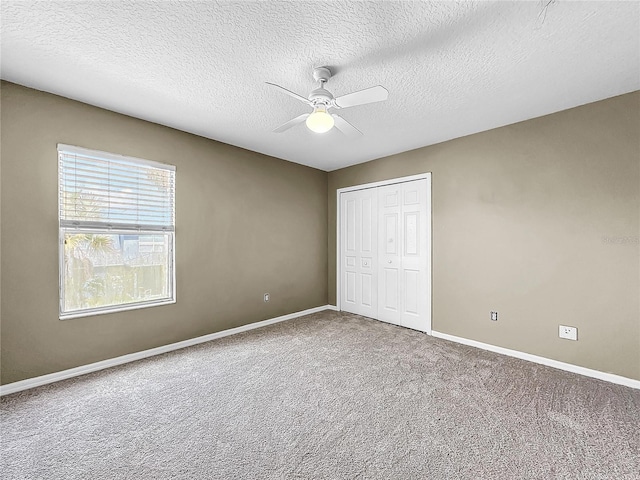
320, 121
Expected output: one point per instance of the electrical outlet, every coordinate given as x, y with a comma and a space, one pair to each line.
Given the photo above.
266, 297
570, 333
494, 316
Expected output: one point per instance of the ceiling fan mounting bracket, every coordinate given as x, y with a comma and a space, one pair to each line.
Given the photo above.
321, 74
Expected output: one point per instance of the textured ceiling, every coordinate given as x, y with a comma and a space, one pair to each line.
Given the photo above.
451, 68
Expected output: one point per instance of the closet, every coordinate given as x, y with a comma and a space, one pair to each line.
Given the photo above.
385, 251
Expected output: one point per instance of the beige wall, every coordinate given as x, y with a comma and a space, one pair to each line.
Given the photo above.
246, 224
540, 221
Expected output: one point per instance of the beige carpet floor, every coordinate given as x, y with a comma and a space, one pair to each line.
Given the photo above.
327, 396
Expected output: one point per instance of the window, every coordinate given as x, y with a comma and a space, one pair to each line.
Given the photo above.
117, 217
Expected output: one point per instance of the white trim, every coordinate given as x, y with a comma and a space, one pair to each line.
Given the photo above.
429, 255
338, 271
382, 183
608, 377
132, 357
421, 176
115, 309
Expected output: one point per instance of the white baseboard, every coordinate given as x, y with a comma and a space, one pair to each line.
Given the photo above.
132, 357
609, 377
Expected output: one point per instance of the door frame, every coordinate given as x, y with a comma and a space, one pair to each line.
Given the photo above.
421, 176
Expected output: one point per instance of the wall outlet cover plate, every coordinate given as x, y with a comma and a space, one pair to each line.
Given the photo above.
570, 333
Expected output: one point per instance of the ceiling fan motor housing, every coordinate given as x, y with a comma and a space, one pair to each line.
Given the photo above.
321, 96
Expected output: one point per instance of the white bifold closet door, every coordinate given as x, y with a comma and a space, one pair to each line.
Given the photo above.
359, 218
384, 254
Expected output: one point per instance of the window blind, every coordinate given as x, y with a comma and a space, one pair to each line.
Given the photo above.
99, 189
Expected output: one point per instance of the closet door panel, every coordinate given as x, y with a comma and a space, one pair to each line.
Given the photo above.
389, 247
358, 252
415, 294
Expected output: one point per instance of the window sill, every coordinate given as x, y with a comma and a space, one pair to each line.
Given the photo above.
115, 309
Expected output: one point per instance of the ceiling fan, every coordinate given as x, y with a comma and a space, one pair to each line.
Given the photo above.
321, 100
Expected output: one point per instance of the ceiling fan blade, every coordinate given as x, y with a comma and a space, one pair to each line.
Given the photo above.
289, 92
345, 127
291, 123
368, 95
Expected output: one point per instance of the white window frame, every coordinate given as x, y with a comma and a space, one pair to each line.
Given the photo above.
112, 229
